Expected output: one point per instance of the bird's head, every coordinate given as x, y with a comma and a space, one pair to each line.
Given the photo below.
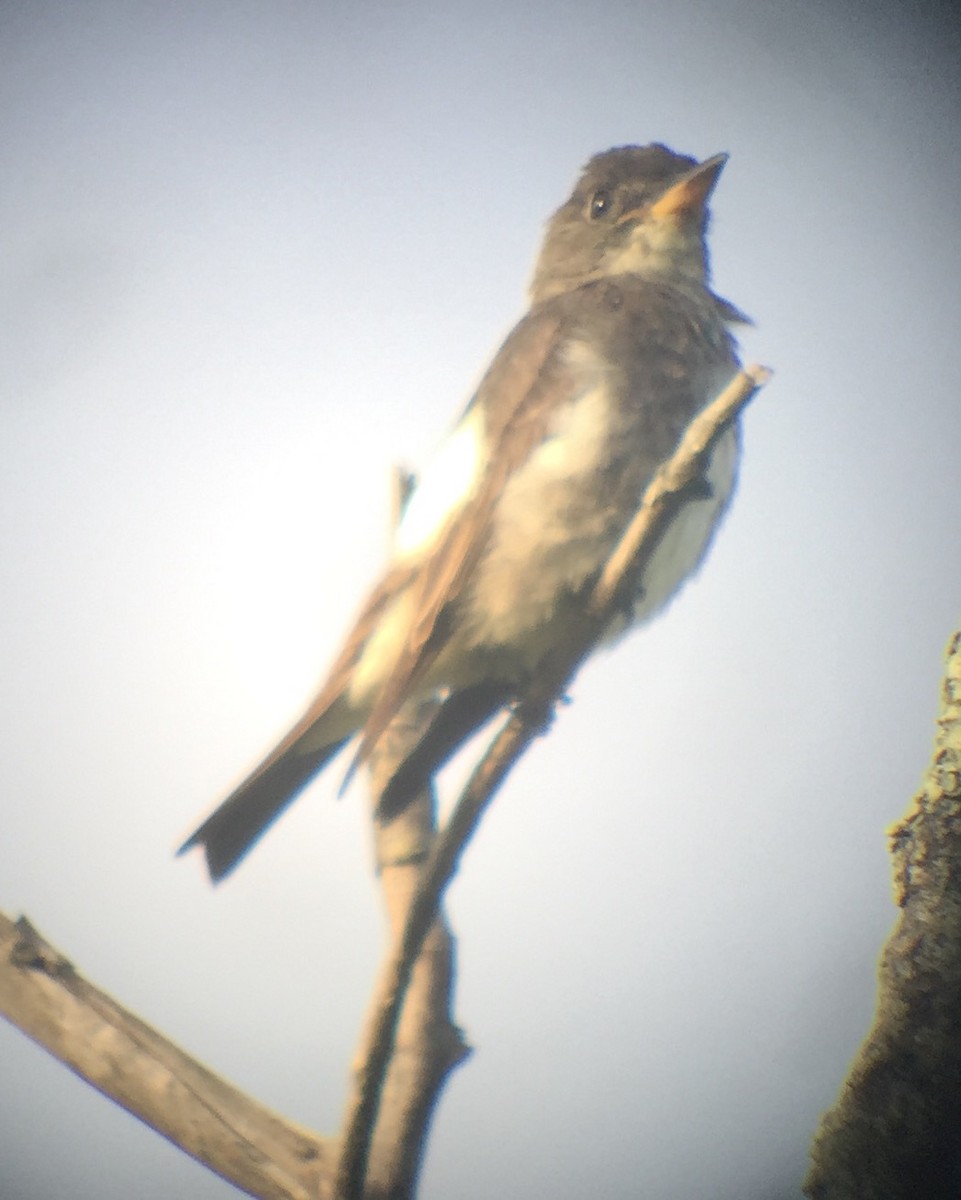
635, 209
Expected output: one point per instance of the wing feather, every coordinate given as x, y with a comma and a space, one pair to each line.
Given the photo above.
521, 389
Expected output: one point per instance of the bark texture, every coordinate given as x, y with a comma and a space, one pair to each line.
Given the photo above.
895, 1131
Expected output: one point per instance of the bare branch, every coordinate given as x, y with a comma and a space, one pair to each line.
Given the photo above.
428, 1045
44, 996
662, 500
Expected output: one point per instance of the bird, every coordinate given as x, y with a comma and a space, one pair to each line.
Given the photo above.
510, 523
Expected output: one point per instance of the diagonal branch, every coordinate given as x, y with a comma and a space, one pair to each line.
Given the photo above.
665, 496
44, 996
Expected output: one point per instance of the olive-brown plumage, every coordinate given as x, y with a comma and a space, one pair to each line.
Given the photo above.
624, 342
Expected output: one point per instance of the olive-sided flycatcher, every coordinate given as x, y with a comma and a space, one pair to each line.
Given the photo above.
508, 528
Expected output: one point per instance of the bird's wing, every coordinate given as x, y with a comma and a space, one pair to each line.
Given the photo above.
339, 675
529, 377
515, 397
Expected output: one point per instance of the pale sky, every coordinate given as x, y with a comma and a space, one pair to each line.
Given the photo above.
253, 255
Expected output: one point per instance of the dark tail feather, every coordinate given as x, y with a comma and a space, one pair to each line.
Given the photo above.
233, 828
460, 716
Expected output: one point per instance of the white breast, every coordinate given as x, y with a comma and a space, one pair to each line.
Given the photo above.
687, 538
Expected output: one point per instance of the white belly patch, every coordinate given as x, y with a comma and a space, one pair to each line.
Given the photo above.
687, 538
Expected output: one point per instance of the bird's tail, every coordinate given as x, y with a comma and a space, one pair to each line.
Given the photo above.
232, 829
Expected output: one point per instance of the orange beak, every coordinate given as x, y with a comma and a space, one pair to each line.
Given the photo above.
691, 190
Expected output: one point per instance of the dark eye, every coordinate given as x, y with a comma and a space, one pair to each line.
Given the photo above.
600, 204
